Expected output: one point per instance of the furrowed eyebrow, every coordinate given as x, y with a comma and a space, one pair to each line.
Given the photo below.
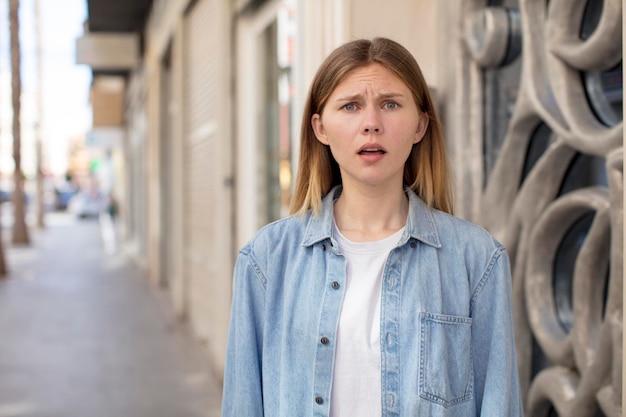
356, 97
350, 98
390, 95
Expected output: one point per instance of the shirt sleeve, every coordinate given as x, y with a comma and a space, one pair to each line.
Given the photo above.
496, 380
243, 395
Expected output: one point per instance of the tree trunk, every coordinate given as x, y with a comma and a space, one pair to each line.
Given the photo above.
3, 266
20, 230
39, 127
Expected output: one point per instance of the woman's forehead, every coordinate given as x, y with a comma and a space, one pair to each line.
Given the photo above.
372, 75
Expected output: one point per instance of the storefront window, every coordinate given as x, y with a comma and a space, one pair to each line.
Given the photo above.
275, 172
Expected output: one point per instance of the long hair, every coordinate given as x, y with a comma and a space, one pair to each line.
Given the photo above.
426, 170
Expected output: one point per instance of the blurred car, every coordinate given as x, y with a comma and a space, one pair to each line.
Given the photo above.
5, 196
62, 196
84, 204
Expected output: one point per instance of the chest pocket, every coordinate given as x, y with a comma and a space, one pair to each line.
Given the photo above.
446, 371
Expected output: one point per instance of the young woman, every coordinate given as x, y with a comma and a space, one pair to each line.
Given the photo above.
372, 299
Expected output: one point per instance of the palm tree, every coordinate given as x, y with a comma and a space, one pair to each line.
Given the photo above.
20, 230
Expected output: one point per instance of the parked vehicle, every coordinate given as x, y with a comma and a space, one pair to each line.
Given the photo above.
62, 196
85, 204
5, 196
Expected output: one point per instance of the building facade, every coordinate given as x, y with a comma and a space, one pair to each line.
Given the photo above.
530, 93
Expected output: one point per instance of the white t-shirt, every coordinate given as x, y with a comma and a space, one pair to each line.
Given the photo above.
356, 385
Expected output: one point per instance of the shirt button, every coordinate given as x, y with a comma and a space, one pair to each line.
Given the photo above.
324, 340
335, 285
413, 244
319, 400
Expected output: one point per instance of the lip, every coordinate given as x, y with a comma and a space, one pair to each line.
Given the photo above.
371, 153
371, 148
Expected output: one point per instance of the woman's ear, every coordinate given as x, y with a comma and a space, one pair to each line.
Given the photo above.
318, 128
422, 126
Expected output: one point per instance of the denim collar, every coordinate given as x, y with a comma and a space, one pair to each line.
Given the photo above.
420, 222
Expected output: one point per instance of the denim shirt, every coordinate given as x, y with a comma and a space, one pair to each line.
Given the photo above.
447, 343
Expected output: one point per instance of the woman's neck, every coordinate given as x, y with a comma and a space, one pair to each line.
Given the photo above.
365, 215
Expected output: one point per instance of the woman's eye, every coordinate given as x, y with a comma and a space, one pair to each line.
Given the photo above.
349, 106
391, 105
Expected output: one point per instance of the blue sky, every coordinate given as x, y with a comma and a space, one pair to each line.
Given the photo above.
65, 88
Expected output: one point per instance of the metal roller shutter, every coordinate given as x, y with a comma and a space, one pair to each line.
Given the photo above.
205, 193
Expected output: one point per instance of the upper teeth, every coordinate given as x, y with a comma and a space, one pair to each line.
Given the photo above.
370, 149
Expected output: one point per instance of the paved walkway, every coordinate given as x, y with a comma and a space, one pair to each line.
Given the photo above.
83, 334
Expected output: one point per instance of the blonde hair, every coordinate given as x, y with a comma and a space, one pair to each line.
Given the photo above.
426, 170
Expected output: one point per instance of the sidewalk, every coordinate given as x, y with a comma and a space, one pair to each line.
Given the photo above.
83, 334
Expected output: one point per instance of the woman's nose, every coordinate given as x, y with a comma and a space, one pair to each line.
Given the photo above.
371, 123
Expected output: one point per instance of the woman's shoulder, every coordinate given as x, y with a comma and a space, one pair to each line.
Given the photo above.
461, 231
285, 231
446, 230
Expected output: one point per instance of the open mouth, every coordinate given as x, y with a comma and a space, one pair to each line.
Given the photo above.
371, 151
